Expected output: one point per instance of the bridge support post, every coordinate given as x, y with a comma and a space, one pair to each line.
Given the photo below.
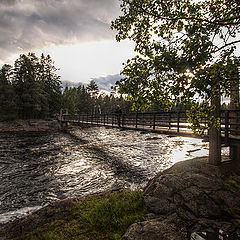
226, 127
235, 118
215, 134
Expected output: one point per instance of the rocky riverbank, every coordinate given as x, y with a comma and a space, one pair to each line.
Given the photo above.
192, 196
29, 125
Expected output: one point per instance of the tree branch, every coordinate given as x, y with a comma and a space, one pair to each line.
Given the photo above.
226, 45
223, 22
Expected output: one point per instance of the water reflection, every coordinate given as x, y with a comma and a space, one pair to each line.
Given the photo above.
37, 168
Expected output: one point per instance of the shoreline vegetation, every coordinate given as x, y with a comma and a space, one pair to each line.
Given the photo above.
98, 216
192, 196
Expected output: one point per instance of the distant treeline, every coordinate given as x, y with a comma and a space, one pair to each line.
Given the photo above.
89, 100
31, 89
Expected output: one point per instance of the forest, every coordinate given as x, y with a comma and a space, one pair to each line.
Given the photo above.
31, 89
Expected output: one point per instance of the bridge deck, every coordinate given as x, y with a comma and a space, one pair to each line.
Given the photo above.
172, 123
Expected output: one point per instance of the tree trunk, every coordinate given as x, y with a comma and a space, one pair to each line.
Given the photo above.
234, 98
215, 135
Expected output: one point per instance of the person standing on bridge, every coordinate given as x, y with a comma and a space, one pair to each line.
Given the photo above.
118, 113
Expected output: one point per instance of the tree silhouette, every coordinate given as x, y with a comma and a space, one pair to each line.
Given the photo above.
186, 54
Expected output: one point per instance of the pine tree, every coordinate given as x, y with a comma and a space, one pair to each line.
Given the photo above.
32, 98
51, 84
8, 98
92, 88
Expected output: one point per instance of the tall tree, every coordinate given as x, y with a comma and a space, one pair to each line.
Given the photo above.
186, 53
84, 101
37, 85
92, 88
51, 84
8, 97
27, 87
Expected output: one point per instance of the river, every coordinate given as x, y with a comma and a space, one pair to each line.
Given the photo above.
41, 167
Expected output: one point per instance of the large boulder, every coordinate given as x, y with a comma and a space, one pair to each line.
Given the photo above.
155, 229
191, 196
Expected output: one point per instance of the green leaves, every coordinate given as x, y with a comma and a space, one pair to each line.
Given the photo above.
31, 89
185, 50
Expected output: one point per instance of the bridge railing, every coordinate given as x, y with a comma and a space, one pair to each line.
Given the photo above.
175, 121
230, 124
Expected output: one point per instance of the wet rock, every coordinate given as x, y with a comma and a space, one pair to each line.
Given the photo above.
191, 196
154, 230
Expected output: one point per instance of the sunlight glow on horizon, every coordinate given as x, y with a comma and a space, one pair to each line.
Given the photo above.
84, 61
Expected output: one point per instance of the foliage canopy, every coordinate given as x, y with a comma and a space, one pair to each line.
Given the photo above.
30, 89
186, 51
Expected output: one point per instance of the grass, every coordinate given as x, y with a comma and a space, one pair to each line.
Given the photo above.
97, 217
228, 183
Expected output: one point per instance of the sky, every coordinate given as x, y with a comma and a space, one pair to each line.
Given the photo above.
76, 33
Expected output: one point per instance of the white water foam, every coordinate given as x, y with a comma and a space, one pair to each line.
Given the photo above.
19, 213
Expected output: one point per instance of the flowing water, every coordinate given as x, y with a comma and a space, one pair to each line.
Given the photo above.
38, 168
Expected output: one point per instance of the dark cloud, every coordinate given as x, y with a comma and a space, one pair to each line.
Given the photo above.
32, 24
7, 2
104, 83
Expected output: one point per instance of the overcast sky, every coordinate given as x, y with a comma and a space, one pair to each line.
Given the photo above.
76, 33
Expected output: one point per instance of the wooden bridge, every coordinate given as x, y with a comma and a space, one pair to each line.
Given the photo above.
173, 122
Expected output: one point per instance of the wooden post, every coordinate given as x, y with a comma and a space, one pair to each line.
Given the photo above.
123, 120
154, 121
178, 121
143, 120
136, 121
215, 135
226, 127
234, 98
169, 120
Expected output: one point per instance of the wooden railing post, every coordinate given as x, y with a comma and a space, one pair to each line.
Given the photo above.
235, 121
169, 120
154, 121
178, 121
136, 121
123, 120
226, 130
143, 120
